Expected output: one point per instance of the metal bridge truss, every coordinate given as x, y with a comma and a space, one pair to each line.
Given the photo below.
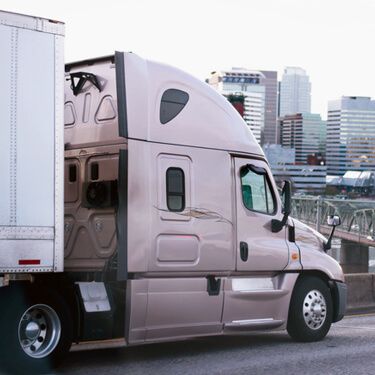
357, 217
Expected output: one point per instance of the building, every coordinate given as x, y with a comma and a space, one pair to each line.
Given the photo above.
294, 91
259, 89
278, 155
306, 133
350, 135
305, 178
310, 179
354, 182
270, 133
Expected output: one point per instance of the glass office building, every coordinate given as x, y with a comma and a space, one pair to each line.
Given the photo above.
259, 89
350, 135
305, 132
295, 92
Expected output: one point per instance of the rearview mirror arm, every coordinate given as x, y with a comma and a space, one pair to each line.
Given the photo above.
327, 245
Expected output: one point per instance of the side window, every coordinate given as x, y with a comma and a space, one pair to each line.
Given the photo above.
175, 189
256, 191
172, 103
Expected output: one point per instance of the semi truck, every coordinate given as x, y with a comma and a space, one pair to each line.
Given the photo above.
135, 203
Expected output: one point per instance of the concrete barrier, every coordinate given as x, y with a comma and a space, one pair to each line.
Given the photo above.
361, 292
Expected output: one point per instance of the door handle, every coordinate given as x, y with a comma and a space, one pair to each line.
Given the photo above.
244, 251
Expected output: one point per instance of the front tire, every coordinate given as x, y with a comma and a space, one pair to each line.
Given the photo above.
310, 310
36, 329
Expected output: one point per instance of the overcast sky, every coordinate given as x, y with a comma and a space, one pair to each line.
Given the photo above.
332, 39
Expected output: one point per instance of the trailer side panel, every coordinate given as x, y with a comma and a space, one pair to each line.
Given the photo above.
31, 146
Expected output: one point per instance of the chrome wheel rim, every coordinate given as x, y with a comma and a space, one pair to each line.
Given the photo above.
39, 331
314, 309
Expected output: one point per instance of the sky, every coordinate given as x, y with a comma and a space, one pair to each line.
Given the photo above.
331, 39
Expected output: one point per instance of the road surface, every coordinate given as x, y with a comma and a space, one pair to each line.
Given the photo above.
349, 348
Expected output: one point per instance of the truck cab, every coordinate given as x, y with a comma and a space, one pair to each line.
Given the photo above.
197, 205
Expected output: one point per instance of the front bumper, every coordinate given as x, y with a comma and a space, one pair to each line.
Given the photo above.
339, 296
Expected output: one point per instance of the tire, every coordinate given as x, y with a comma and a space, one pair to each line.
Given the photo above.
310, 310
36, 329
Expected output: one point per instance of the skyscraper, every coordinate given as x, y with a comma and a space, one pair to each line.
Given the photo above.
305, 132
294, 91
259, 89
270, 133
350, 135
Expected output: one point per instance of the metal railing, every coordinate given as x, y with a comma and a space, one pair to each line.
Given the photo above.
357, 216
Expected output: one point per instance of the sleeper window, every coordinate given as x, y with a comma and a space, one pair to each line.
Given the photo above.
175, 189
256, 192
172, 103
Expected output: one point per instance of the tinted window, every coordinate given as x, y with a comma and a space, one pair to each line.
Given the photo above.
256, 192
72, 173
175, 189
172, 103
94, 171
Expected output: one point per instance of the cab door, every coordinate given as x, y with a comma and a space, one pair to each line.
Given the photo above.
257, 203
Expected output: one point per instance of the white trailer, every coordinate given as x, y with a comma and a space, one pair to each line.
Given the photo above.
31, 144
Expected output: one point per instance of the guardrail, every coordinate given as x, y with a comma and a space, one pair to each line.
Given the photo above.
357, 216
357, 224
361, 292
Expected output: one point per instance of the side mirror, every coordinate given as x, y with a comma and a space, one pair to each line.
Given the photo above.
286, 197
333, 220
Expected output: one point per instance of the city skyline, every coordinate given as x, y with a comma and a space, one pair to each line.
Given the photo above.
193, 37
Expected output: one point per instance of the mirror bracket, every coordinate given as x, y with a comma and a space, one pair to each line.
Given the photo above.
332, 221
277, 225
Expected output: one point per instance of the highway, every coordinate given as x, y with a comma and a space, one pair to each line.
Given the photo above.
349, 348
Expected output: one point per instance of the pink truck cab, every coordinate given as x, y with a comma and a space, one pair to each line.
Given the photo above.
173, 225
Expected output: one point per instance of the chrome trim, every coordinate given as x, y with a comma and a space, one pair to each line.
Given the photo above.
252, 284
253, 324
314, 309
253, 321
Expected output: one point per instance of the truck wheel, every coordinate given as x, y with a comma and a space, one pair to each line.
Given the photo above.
36, 329
310, 310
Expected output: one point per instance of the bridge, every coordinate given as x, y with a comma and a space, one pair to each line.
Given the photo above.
357, 229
